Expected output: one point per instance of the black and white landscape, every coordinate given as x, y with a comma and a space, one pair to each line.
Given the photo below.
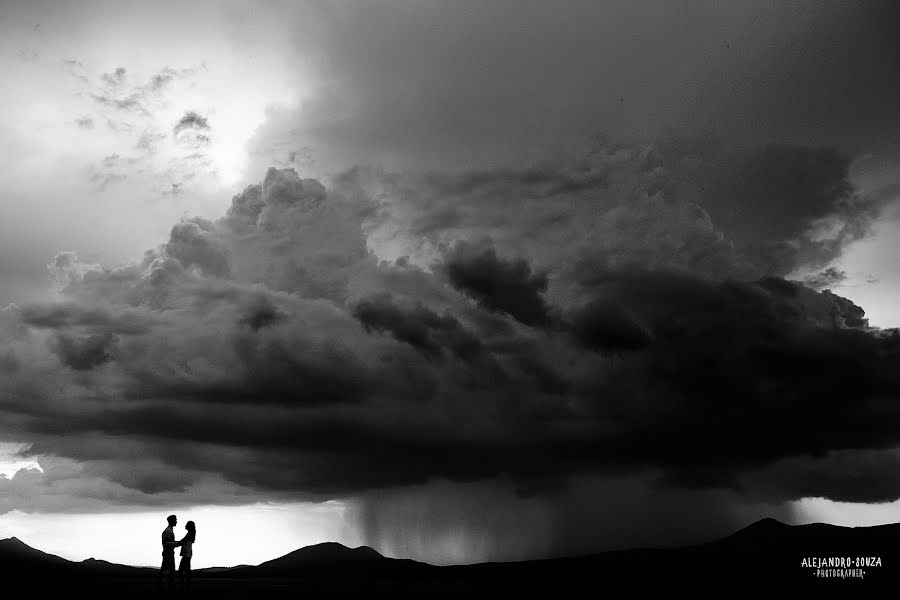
765, 554
474, 287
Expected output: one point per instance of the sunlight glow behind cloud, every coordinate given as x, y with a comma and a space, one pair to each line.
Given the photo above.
94, 102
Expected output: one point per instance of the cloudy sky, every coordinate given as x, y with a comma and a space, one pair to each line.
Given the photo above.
460, 281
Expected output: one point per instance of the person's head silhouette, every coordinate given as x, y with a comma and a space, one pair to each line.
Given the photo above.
192, 529
172, 519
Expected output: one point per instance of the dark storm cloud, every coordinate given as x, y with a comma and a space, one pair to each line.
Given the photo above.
747, 368
609, 329
84, 353
481, 118
272, 351
418, 326
783, 206
278, 357
694, 204
845, 310
542, 181
68, 315
261, 314
503, 285
843, 476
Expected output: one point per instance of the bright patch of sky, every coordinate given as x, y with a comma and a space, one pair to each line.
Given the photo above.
226, 536
89, 111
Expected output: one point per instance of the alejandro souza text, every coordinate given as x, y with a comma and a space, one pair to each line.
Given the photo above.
841, 567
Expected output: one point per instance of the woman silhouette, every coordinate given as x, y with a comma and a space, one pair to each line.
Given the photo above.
187, 551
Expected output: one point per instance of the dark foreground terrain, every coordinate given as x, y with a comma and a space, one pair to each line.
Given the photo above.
767, 556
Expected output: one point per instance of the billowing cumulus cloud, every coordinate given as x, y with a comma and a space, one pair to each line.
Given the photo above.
541, 280
272, 354
783, 206
193, 244
697, 205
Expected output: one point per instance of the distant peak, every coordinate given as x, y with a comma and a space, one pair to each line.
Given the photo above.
324, 553
338, 547
14, 543
764, 528
14, 540
769, 522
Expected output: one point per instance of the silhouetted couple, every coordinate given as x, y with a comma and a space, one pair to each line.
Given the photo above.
168, 553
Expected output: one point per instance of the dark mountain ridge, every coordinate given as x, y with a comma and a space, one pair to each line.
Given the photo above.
763, 553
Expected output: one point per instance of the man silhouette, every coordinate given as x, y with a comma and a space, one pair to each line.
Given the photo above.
168, 552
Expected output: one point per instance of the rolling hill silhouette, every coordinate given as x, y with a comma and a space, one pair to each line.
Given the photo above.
765, 553
16, 553
331, 558
18, 557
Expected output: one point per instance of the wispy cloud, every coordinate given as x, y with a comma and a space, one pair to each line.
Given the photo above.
115, 78
133, 109
191, 120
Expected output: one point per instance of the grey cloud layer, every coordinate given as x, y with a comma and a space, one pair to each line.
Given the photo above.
699, 205
464, 85
270, 354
